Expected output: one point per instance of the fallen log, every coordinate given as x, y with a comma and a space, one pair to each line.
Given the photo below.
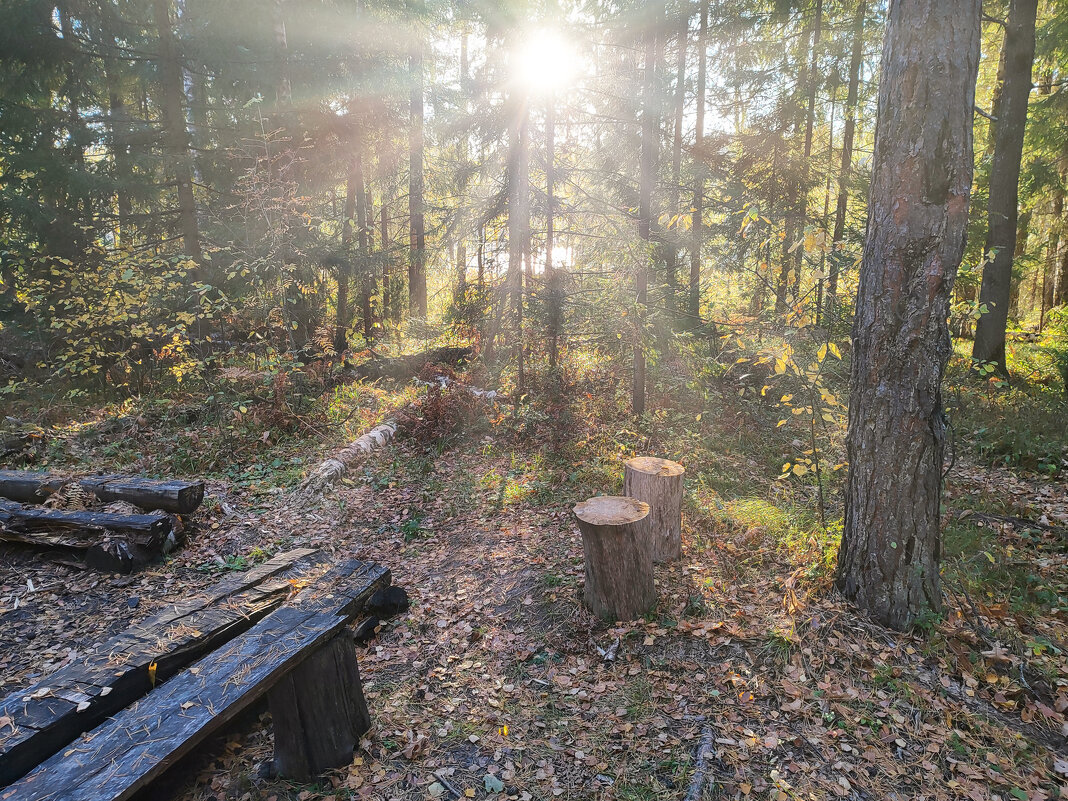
334, 468
110, 541
399, 367
180, 497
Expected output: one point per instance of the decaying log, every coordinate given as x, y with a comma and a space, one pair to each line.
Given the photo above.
180, 497
658, 482
400, 367
619, 557
111, 541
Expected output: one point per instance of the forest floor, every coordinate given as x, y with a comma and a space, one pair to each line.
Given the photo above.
496, 683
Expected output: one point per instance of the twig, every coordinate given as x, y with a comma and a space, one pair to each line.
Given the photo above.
700, 773
447, 784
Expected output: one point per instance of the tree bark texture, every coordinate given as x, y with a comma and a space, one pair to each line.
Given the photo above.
619, 557
917, 219
658, 482
1019, 53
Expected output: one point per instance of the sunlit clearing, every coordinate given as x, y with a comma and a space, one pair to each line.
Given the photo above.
545, 62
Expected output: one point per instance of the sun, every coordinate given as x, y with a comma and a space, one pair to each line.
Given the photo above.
545, 62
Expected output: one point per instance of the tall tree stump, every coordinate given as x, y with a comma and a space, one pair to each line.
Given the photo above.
319, 711
619, 557
658, 482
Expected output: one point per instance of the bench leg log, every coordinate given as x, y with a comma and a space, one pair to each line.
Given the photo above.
319, 711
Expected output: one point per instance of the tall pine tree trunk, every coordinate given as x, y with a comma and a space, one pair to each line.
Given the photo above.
845, 170
1011, 116
917, 220
175, 135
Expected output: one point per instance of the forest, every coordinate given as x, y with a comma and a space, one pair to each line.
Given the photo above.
581, 399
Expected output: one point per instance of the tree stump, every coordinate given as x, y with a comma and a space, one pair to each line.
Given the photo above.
658, 482
319, 711
619, 558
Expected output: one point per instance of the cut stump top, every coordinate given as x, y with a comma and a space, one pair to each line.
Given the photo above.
611, 510
654, 466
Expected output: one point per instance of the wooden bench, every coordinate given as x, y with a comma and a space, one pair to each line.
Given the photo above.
301, 656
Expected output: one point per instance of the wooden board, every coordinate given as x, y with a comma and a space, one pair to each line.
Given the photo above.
180, 497
112, 675
123, 755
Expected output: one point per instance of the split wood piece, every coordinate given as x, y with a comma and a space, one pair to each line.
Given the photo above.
334, 468
179, 497
619, 558
110, 541
45, 716
126, 753
658, 482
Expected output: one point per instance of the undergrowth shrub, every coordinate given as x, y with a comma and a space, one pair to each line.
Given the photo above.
449, 409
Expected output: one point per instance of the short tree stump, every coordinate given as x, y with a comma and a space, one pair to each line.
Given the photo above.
619, 558
658, 482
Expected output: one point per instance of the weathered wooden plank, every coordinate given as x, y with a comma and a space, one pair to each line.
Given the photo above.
116, 672
124, 754
180, 497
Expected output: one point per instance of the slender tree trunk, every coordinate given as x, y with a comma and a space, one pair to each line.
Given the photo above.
552, 281
694, 305
417, 297
344, 269
1059, 228
810, 119
518, 222
676, 161
646, 181
175, 135
1003, 206
1023, 230
889, 559
367, 276
118, 118
845, 170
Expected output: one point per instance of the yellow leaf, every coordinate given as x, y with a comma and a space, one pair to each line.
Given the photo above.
152, 674
800, 469
785, 398
780, 366
822, 354
835, 351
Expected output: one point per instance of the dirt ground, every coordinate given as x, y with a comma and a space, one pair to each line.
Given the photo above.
496, 684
